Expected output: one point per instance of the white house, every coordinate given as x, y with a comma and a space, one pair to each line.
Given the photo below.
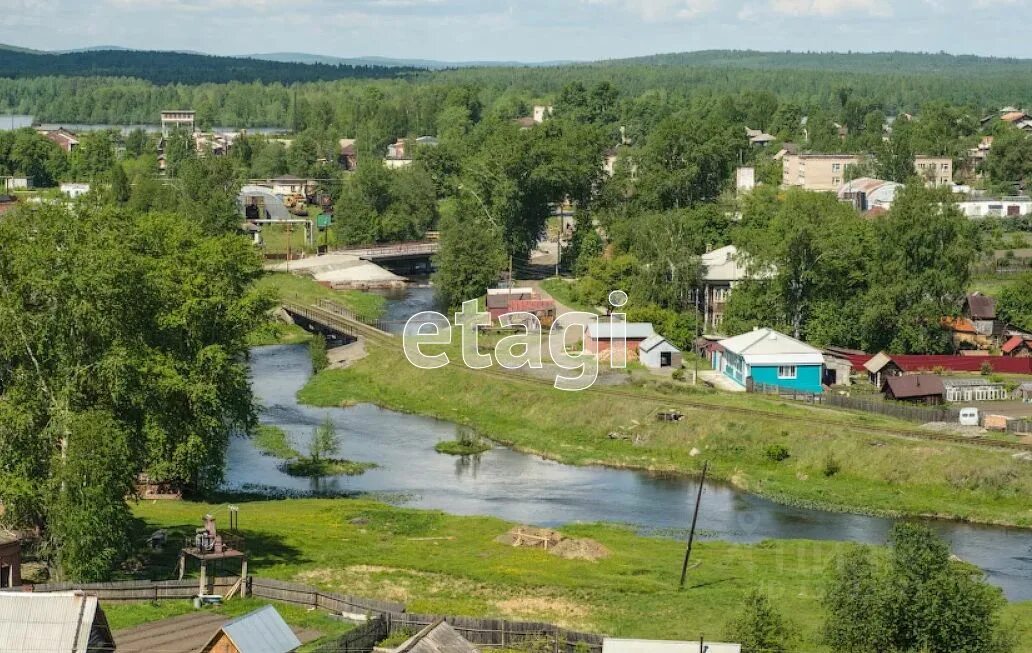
288, 185
542, 112
745, 179
999, 207
656, 352
723, 273
74, 190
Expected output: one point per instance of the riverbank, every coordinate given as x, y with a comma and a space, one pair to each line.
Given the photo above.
831, 464
444, 564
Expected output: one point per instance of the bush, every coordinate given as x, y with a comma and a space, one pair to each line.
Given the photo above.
678, 374
777, 453
987, 368
831, 466
317, 350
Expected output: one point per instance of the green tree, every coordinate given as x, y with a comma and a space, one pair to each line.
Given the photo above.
917, 601
759, 627
325, 441
121, 189
470, 256
1015, 301
895, 160
126, 353
1010, 160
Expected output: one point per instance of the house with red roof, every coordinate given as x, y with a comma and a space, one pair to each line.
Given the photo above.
1018, 347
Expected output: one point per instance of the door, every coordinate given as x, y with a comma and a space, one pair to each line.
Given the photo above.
664, 359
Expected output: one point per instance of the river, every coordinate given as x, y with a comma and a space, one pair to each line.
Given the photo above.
530, 489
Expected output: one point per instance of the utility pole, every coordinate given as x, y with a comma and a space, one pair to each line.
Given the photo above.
510, 276
695, 519
559, 243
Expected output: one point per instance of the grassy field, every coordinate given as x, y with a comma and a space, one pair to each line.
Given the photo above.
831, 465
305, 290
128, 615
445, 564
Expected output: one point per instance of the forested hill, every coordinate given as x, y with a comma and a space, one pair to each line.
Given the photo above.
179, 67
854, 62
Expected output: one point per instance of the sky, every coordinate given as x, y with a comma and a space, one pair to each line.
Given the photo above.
524, 30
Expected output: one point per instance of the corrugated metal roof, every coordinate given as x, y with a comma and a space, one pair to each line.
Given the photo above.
55, 621
616, 645
768, 347
969, 383
629, 330
261, 631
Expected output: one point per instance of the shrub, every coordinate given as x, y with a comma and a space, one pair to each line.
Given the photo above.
831, 466
317, 350
678, 374
987, 368
777, 453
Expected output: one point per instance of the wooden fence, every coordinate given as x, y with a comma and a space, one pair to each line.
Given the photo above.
899, 410
385, 617
140, 590
501, 633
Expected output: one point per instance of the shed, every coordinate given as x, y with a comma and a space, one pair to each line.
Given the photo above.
656, 352
880, 367
500, 297
70, 622
601, 336
837, 368
261, 631
438, 637
10, 560
1024, 393
915, 388
614, 645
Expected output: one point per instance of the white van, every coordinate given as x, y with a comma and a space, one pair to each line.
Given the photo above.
969, 417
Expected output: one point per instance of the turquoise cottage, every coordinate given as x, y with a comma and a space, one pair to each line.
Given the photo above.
764, 356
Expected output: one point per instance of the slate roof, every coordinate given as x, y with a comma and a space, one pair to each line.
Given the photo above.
981, 307
261, 631
438, 637
69, 622
913, 386
654, 341
877, 362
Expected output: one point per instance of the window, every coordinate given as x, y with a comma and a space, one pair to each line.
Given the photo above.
787, 372
836, 181
945, 166
835, 167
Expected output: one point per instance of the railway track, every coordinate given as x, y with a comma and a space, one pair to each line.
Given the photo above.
380, 337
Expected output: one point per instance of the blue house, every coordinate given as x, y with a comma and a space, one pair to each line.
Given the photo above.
764, 356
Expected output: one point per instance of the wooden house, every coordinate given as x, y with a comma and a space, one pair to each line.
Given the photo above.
438, 637
915, 388
10, 560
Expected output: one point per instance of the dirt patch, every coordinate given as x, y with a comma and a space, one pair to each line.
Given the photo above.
580, 549
345, 355
549, 608
554, 542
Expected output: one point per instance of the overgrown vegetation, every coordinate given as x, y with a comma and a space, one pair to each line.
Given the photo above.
469, 443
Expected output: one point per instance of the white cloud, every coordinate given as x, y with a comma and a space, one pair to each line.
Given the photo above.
827, 8
661, 10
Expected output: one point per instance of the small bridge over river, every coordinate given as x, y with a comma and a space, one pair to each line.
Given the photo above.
402, 258
336, 322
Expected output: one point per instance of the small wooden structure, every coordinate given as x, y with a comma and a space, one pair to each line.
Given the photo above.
209, 546
149, 488
10, 560
261, 631
438, 637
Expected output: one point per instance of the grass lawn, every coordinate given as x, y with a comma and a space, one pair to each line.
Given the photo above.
876, 473
305, 290
437, 563
129, 615
277, 238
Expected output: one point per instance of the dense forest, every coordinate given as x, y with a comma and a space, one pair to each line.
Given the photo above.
122, 87
177, 67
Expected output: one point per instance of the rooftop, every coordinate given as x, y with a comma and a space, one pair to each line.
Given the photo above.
261, 631
768, 347
630, 330
912, 386
54, 621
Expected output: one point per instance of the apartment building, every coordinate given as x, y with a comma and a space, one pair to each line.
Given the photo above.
827, 172
936, 170
820, 172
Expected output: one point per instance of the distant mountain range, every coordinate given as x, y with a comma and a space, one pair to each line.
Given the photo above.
429, 64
